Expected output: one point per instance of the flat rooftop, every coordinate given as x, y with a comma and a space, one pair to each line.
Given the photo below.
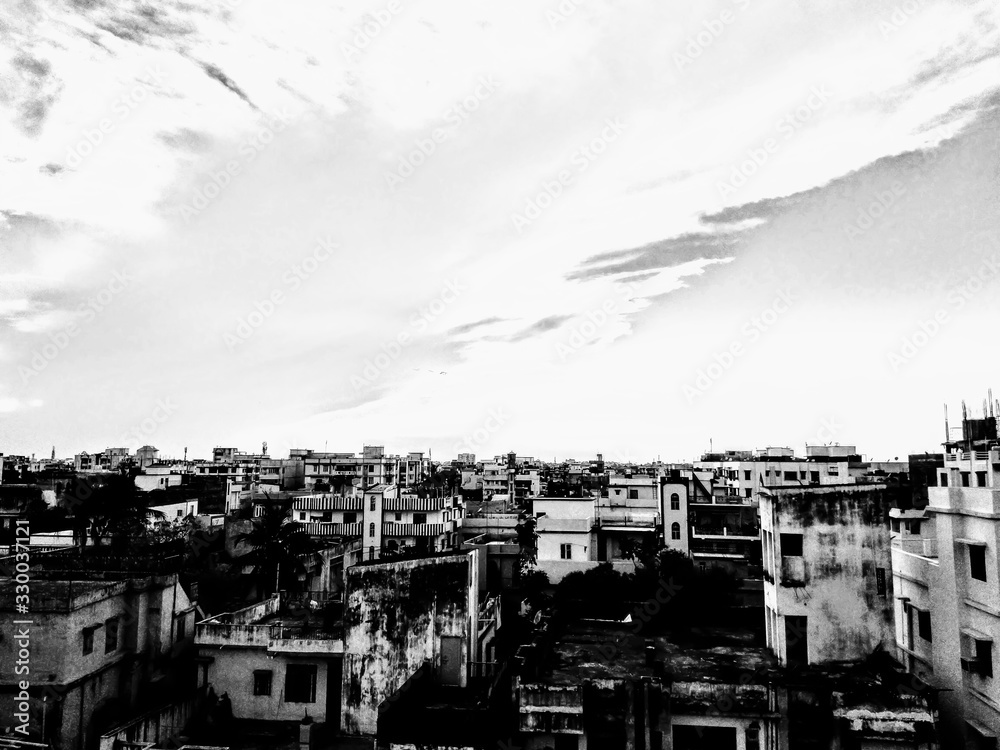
600, 650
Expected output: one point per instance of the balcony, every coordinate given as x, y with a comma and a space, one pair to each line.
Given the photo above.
736, 533
415, 529
328, 502
322, 528
627, 520
272, 626
412, 502
916, 545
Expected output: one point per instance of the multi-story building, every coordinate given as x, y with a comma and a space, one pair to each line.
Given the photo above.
107, 460
827, 580
946, 574
628, 516
340, 472
384, 517
98, 651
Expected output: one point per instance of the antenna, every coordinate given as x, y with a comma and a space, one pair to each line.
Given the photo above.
947, 432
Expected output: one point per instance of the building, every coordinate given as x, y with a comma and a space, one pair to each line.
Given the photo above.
277, 660
145, 456
600, 684
628, 516
340, 473
100, 650
827, 572
945, 575
420, 651
384, 517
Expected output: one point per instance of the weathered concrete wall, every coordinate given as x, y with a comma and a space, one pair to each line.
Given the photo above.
845, 543
232, 673
395, 617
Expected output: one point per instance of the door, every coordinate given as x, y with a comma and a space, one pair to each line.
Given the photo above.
451, 660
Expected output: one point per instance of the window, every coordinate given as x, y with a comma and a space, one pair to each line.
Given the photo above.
111, 635
675, 501
746, 476
302, 515
924, 624
748, 492
262, 681
326, 517
180, 512
675, 531
965, 479
944, 479
791, 545
984, 657
371, 502
399, 517
814, 477
880, 581
419, 518
980, 479
633, 494
350, 517
181, 627
802, 475
977, 562
88, 639
790, 476
565, 551
300, 683
371, 529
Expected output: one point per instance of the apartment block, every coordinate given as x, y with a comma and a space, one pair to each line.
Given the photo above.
827, 572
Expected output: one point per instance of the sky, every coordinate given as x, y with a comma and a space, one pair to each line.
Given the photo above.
555, 228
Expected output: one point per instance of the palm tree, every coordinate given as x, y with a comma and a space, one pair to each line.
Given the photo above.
277, 548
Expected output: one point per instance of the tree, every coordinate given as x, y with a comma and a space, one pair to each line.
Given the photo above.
277, 548
115, 510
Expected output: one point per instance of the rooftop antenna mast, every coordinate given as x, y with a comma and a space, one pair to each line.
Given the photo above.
947, 432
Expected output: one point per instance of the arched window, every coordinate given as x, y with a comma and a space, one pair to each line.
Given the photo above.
371, 504
371, 529
675, 502
675, 530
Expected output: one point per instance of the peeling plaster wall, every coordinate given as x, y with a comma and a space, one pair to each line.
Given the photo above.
394, 617
845, 541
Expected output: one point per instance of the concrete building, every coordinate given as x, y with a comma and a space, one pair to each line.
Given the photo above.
341, 472
415, 623
98, 650
601, 685
384, 517
145, 456
827, 572
277, 660
627, 516
945, 572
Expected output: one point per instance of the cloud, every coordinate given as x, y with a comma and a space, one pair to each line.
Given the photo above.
539, 327
469, 327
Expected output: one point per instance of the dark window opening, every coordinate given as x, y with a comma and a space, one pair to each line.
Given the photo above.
924, 624
791, 545
111, 635
262, 681
300, 683
977, 562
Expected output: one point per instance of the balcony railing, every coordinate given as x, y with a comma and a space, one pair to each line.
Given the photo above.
738, 531
627, 518
328, 502
322, 528
414, 529
923, 546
